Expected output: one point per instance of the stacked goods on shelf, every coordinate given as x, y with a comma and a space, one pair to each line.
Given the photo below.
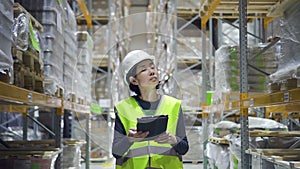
288, 48
28, 158
70, 53
41, 154
6, 61
227, 73
232, 149
26, 51
72, 154
218, 153
84, 66
100, 86
49, 13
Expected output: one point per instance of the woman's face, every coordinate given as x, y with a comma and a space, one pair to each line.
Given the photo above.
147, 74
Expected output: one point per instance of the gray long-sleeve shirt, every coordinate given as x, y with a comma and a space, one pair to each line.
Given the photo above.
121, 143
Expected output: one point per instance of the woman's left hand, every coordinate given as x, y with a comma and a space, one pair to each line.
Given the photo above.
166, 138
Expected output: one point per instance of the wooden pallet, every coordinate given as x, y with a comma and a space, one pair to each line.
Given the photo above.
264, 133
285, 158
27, 70
217, 140
31, 60
287, 84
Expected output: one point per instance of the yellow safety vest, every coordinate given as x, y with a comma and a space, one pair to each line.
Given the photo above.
163, 156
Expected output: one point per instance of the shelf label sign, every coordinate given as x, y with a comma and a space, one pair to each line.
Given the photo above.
286, 97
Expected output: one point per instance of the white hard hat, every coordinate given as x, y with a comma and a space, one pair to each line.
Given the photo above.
131, 60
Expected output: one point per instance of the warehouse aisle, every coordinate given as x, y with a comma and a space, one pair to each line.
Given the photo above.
110, 165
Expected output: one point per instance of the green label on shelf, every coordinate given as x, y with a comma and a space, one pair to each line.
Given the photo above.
33, 40
96, 109
35, 166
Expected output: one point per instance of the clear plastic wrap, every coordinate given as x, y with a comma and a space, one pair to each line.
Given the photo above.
288, 49
21, 31
258, 142
227, 73
72, 154
6, 60
223, 128
218, 156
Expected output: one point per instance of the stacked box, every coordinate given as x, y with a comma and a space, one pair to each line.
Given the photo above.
50, 14
6, 61
70, 51
84, 65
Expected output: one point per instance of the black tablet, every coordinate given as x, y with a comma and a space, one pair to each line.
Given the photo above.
154, 124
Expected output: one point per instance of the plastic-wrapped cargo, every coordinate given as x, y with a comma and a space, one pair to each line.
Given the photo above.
33, 158
84, 65
288, 48
70, 51
72, 154
218, 156
256, 123
50, 13
227, 73
6, 61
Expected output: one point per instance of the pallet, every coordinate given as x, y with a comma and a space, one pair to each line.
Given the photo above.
27, 70
264, 133
25, 78
31, 60
217, 140
282, 158
287, 84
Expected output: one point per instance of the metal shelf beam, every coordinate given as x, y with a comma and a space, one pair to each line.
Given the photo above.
23, 96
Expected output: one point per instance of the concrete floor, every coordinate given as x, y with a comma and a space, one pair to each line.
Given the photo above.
111, 166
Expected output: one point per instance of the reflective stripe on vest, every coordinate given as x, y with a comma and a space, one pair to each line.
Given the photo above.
161, 154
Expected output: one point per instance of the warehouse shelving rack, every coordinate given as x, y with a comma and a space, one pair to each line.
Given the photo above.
16, 99
242, 10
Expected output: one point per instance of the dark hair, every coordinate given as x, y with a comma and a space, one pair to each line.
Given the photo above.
136, 89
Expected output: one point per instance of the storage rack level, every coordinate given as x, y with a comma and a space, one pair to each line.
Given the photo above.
16, 99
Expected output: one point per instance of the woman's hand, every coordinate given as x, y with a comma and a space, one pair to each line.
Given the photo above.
166, 138
134, 136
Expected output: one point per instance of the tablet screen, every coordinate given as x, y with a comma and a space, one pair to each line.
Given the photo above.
154, 124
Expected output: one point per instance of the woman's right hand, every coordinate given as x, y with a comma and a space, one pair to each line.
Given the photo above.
135, 136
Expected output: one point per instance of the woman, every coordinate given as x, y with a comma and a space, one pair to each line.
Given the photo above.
129, 145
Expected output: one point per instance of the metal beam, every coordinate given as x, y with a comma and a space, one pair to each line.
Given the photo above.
208, 14
249, 33
86, 14
245, 162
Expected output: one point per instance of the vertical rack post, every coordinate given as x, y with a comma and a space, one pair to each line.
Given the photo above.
243, 83
88, 141
175, 31
211, 60
25, 125
109, 79
58, 121
204, 112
